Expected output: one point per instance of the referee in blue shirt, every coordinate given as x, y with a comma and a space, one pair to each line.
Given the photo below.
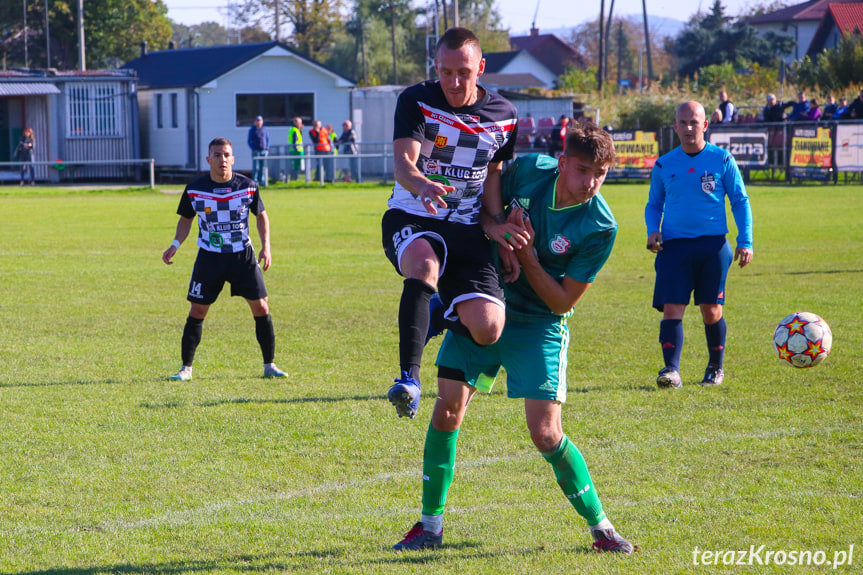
686, 229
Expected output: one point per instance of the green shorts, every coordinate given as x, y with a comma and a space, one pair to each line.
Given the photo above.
533, 355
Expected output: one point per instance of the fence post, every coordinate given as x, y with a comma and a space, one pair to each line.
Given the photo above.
152, 173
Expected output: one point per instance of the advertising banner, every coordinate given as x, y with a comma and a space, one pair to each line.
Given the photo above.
811, 148
849, 147
748, 148
635, 149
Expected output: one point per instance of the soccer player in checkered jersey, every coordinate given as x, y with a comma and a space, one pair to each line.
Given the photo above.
450, 138
222, 201
686, 229
572, 232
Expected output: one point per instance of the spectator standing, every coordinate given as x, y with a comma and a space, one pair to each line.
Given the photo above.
830, 108
259, 142
348, 147
24, 154
555, 139
855, 109
800, 111
774, 111
841, 109
323, 147
814, 112
295, 147
726, 108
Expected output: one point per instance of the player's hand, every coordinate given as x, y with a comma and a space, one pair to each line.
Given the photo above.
168, 254
264, 258
509, 264
432, 196
654, 242
528, 251
745, 255
512, 234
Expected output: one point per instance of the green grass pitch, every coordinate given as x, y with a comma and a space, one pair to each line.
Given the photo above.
106, 467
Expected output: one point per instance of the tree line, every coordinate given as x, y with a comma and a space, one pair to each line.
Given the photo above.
390, 41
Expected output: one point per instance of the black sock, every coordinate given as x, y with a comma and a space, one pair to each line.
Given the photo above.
715, 334
413, 324
266, 337
191, 339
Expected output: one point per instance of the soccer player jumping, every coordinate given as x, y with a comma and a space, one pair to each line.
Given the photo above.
449, 140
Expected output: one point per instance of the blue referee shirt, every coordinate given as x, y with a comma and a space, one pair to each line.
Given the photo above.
687, 196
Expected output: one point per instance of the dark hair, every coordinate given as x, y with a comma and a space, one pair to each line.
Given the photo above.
590, 142
455, 38
219, 142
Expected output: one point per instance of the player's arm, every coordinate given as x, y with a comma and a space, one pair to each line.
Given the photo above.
560, 297
406, 152
184, 225
509, 234
263, 223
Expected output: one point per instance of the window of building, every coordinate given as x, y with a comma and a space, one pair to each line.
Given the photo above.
94, 110
175, 121
276, 109
160, 123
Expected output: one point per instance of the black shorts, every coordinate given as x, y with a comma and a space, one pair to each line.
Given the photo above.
213, 269
467, 269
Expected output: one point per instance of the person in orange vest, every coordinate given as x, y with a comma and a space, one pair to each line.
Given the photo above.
323, 147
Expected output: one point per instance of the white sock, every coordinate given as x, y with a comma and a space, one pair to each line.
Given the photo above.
603, 525
432, 523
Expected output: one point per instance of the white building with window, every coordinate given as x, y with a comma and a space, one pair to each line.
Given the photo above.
189, 96
76, 116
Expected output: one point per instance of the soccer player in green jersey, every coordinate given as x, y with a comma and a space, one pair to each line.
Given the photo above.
571, 231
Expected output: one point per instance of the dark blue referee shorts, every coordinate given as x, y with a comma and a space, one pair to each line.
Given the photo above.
688, 265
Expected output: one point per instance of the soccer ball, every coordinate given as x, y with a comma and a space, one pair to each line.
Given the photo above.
802, 339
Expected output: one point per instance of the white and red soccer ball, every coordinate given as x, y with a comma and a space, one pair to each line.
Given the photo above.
802, 339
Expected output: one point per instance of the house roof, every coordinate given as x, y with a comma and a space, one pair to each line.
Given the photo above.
554, 53
194, 67
27, 88
845, 17
811, 10
497, 61
848, 17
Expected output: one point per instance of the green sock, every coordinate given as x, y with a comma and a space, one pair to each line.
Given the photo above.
574, 478
438, 468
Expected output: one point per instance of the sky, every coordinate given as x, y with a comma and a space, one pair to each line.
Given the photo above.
517, 14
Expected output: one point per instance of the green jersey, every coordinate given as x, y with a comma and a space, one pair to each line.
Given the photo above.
574, 241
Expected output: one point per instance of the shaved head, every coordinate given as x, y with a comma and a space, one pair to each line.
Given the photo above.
690, 124
691, 107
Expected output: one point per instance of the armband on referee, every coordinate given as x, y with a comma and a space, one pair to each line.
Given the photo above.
176, 244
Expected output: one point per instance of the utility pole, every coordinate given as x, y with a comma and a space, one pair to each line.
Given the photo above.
82, 62
608, 34
455, 13
47, 38
278, 34
647, 43
25, 35
600, 73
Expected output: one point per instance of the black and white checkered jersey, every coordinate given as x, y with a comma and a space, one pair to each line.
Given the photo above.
457, 145
223, 211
